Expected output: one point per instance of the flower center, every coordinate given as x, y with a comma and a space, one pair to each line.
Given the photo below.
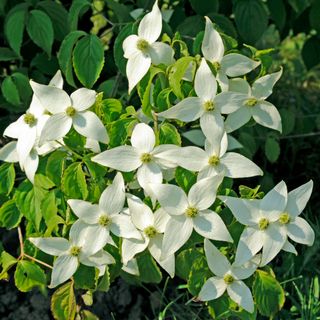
284, 218
104, 220
214, 161
29, 119
228, 278
143, 45
47, 112
71, 111
208, 105
191, 212
75, 251
263, 224
150, 231
146, 157
251, 102
216, 65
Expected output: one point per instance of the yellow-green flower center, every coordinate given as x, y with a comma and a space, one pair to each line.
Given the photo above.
216, 65
263, 224
143, 45
251, 102
208, 105
214, 161
47, 112
191, 212
71, 111
146, 157
104, 220
75, 251
29, 119
150, 232
228, 278
284, 218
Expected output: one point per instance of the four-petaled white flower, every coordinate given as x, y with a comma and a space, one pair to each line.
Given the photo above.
141, 155
70, 254
188, 212
141, 50
151, 225
100, 219
251, 103
227, 277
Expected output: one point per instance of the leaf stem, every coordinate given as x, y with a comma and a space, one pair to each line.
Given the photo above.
77, 155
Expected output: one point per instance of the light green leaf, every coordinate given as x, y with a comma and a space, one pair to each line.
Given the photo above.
185, 178
111, 109
10, 216
7, 176
169, 134
104, 282
7, 261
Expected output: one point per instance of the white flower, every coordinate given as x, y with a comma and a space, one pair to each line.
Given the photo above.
151, 225
69, 111
227, 277
70, 253
207, 106
100, 219
141, 155
190, 212
141, 50
251, 103
232, 64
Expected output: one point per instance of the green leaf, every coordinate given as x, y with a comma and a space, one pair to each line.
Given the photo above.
63, 303
185, 178
10, 215
278, 12
169, 134
268, 294
40, 30
14, 27
7, 261
96, 170
119, 131
288, 120
10, 91
191, 26
77, 8
299, 5
203, 7
272, 149
311, 52
85, 278
55, 166
121, 11
7, 54
88, 59
314, 16
104, 281
149, 271
111, 110
29, 275
185, 260
7, 176
65, 55
74, 182
22, 83
251, 19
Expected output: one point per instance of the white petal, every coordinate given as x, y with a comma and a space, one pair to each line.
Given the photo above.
298, 198
244, 271
211, 226
237, 119
64, 268
130, 247
82, 99
223, 81
267, 115
300, 231
161, 53
212, 45
26, 142
56, 127
143, 138
212, 289
177, 233
122, 226
93, 145
52, 98
161, 155
187, 110
57, 80
238, 166
228, 102
137, 66
209, 171
151, 24
240, 85
84, 210
131, 267
8, 152
211, 124
217, 262
123, 158
149, 173
161, 218
98, 259
113, 197
52, 246
30, 165
129, 45
205, 82
171, 198
262, 88
288, 247
241, 294
235, 64
13, 130
203, 193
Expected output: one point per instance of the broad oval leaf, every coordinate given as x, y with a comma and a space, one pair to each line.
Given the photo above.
10, 216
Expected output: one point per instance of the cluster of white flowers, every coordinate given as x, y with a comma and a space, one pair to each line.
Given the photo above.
268, 222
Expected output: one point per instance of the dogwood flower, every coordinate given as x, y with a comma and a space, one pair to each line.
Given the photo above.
207, 106
151, 226
232, 64
104, 217
69, 111
70, 254
227, 278
251, 103
141, 155
190, 212
141, 50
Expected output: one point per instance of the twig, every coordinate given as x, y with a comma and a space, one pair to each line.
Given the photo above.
39, 261
21, 243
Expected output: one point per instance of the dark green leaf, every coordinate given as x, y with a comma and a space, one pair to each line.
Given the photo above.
185, 178
185, 260
85, 278
203, 7
121, 11
277, 12
272, 149
10, 216
10, 91
7, 54
77, 8
314, 16
7, 176
149, 271
22, 83
55, 166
